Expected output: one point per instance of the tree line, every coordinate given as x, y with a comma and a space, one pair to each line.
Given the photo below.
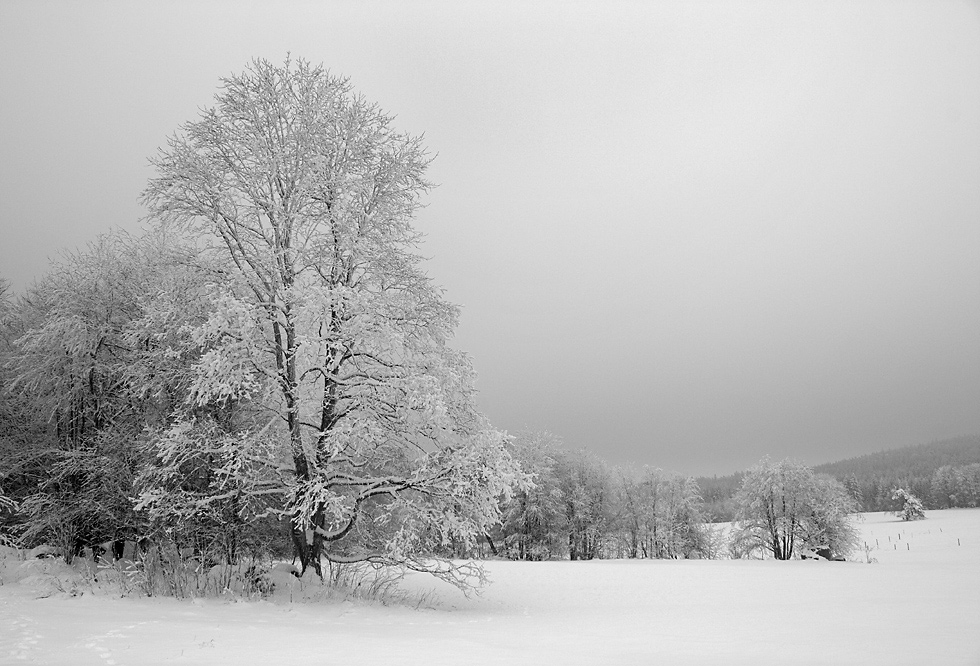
581, 508
942, 474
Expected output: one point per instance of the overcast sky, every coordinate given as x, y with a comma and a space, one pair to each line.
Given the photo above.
683, 234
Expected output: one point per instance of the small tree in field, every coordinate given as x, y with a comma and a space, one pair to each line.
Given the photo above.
361, 426
912, 508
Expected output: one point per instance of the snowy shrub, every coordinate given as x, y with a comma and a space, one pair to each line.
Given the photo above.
166, 569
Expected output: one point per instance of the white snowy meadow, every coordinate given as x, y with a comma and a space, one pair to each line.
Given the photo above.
916, 602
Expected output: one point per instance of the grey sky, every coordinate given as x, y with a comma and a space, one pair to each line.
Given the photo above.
684, 234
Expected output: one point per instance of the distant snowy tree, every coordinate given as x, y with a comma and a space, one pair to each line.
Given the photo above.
956, 486
587, 497
853, 487
943, 487
830, 522
633, 512
685, 533
912, 508
783, 505
327, 324
661, 515
534, 522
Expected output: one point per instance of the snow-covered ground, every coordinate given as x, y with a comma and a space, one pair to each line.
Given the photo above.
918, 604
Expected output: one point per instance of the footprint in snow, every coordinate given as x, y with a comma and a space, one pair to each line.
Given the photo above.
103, 652
95, 642
22, 641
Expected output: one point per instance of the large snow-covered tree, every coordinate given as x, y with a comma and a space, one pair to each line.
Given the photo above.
327, 325
783, 505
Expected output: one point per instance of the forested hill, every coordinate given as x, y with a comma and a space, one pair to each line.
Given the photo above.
922, 470
717, 492
910, 461
872, 477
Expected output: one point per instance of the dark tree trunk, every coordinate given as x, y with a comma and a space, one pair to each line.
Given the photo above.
493, 548
300, 548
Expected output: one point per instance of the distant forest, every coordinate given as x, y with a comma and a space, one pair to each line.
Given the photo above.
942, 474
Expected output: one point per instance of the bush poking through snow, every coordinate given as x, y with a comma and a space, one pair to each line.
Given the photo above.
168, 571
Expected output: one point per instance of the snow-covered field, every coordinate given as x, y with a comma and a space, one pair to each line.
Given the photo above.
919, 604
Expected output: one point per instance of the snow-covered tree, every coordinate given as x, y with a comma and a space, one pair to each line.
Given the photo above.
943, 487
586, 491
783, 505
19, 424
829, 523
633, 499
661, 515
67, 362
534, 522
956, 486
327, 325
853, 487
912, 508
7, 504
5, 297
682, 521
7, 509
77, 381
